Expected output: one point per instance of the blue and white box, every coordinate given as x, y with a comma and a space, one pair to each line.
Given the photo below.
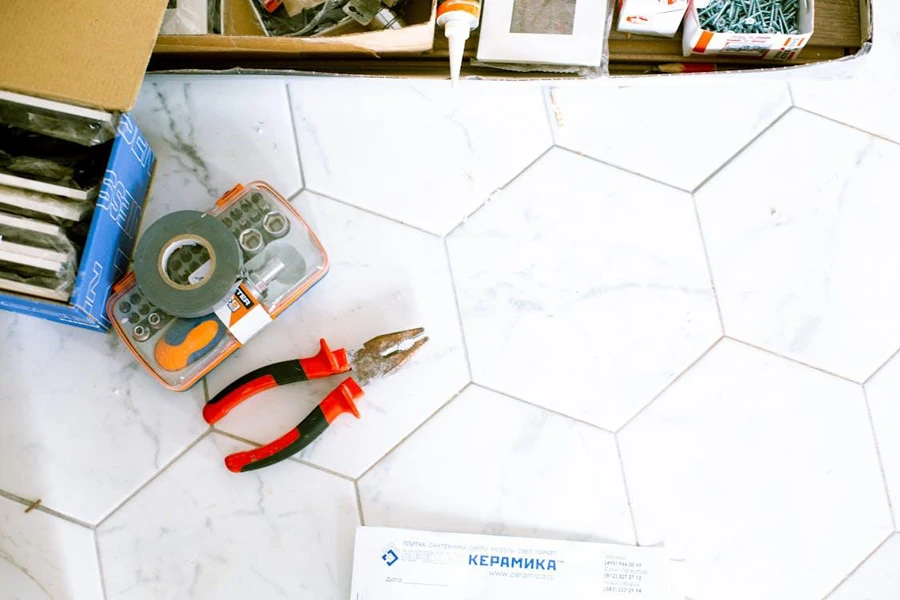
111, 237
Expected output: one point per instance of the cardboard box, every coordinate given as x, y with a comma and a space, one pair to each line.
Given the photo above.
90, 54
766, 46
843, 32
243, 35
651, 17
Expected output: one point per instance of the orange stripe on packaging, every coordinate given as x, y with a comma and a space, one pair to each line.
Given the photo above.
705, 38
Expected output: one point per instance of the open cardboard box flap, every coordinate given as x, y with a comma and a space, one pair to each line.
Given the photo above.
244, 35
86, 52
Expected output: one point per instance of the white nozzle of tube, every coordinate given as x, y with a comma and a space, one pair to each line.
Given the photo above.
457, 27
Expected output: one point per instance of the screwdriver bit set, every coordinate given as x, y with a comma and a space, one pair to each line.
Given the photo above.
204, 283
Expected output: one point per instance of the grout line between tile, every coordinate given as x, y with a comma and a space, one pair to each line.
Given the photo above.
671, 383
414, 431
153, 478
44, 509
887, 491
459, 319
287, 89
100, 565
205, 391
544, 408
881, 367
501, 188
712, 280
624, 170
372, 212
793, 360
627, 492
741, 150
362, 518
547, 93
295, 459
791, 95
849, 126
857, 567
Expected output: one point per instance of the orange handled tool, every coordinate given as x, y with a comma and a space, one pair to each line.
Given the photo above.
379, 356
187, 341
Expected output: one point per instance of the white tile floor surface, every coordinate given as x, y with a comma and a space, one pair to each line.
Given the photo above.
659, 316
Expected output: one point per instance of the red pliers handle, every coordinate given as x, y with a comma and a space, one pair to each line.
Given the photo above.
340, 400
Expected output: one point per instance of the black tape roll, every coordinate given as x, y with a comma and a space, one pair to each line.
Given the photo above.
186, 298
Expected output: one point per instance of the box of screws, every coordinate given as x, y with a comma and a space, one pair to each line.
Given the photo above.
764, 29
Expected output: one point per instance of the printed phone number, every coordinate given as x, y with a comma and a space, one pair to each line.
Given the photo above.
623, 576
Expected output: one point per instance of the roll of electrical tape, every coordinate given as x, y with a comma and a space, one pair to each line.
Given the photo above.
180, 289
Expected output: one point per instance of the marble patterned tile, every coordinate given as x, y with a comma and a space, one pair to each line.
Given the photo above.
45, 558
805, 259
384, 277
583, 289
864, 101
876, 579
490, 464
211, 133
200, 531
759, 475
678, 134
416, 151
883, 391
83, 425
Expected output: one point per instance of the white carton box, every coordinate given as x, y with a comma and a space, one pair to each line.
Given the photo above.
399, 564
544, 32
651, 17
769, 46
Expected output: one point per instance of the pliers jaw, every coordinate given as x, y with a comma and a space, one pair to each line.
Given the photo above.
381, 355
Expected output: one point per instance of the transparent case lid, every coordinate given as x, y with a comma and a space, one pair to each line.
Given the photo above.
282, 260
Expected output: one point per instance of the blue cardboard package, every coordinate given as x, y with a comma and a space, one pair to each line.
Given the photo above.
110, 240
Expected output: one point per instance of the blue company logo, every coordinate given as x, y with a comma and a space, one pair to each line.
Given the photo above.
512, 562
390, 556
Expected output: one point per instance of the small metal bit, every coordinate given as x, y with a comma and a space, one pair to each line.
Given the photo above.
381, 355
261, 279
33, 505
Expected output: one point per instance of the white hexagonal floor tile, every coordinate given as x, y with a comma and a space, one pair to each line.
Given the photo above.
83, 425
583, 289
384, 277
491, 464
200, 531
679, 134
883, 391
806, 259
759, 474
417, 151
876, 579
865, 101
45, 558
210, 134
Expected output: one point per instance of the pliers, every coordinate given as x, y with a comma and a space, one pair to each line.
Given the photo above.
378, 357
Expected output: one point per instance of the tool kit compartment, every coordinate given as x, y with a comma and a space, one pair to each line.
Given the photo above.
205, 283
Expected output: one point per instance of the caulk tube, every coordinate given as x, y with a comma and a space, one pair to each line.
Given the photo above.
458, 18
